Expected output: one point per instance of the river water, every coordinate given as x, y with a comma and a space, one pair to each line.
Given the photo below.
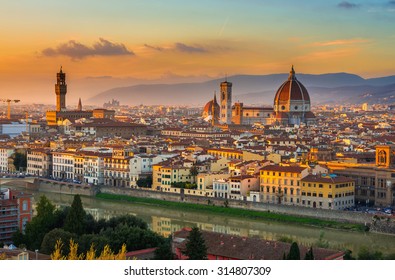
165, 221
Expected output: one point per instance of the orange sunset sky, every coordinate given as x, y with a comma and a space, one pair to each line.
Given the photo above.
104, 44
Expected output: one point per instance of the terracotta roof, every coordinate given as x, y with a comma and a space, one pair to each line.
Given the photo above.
279, 168
243, 248
327, 179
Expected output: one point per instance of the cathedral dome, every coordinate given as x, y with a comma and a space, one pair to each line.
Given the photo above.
292, 95
208, 108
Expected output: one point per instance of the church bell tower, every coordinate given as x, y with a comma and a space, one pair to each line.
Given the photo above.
60, 90
226, 103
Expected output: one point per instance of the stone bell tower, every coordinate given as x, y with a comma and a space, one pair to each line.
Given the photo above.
60, 90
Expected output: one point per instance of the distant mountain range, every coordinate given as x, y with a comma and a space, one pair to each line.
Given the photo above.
337, 88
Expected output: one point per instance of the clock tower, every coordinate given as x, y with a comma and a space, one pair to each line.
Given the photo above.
226, 103
60, 90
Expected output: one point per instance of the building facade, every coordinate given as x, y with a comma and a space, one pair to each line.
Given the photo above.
281, 184
328, 192
39, 162
16, 212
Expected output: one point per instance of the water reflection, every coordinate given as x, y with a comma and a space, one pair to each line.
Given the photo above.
165, 221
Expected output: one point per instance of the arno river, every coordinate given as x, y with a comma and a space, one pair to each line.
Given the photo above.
165, 221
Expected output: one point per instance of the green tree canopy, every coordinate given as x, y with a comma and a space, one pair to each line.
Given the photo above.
164, 252
75, 219
294, 252
51, 237
195, 248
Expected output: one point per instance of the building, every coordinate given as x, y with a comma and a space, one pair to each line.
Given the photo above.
12, 128
222, 246
117, 168
248, 115
205, 181
291, 106
221, 188
327, 192
281, 184
211, 111
61, 114
63, 165
108, 127
5, 153
39, 162
16, 212
242, 185
292, 103
226, 103
374, 183
141, 166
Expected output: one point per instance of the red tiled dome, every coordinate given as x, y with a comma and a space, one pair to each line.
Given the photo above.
291, 90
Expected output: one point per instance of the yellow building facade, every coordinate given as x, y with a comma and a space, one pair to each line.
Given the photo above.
327, 192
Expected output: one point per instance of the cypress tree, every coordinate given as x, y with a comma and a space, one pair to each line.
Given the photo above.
195, 248
294, 252
75, 219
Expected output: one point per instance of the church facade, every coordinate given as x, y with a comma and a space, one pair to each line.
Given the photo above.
291, 107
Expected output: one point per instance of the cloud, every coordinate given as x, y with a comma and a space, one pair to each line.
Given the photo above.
77, 50
391, 3
180, 47
157, 48
347, 5
189, 49
340, 42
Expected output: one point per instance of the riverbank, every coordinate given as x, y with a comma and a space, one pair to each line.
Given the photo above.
235, 212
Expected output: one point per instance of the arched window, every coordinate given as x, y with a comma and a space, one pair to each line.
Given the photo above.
382, 157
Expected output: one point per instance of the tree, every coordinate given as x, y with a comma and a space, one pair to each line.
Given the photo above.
365, 254
309, 254
145, 182
348, 256
106, 253
195, 248
164, 252
42, 223
194, 172
294, 252
20, 161
52, 237
75, 219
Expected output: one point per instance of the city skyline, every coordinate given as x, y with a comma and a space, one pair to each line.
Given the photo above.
102, 45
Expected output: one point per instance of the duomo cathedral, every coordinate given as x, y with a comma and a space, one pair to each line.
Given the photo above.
291, 107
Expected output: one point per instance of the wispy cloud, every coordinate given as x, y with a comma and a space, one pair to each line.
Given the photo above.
341, 42
347, 5
179, 47
157, 48
189, 49
77, 50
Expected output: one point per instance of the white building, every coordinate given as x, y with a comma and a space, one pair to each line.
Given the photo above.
63, 165
221, 188
142, 165
5, 153
39, 162
93, 168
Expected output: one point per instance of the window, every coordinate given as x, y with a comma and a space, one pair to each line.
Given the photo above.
24, 205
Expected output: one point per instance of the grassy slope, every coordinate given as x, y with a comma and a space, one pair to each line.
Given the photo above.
236, 212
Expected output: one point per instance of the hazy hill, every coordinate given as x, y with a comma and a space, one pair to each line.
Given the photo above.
255, 89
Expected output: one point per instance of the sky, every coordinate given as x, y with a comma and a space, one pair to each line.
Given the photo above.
102, 44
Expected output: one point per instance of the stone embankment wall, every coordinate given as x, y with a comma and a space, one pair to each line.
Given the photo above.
45, 185
342, 216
